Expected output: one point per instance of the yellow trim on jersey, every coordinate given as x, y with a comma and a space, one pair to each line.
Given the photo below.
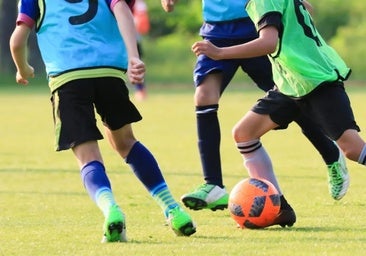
57, 81
41, 6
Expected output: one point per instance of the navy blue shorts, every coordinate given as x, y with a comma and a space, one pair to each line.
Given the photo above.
259, 69
328, 106
74, 106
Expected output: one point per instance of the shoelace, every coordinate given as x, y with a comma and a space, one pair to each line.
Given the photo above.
336, 178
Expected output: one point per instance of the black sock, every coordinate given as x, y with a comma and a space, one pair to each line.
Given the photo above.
209, 137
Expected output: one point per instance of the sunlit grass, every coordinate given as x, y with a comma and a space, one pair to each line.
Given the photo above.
44, 209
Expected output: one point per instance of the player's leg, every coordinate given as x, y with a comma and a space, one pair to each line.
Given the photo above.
263, 117
212, 194
75, 121
146, 169
206, 100
211, 78
353, 146
338, 177
117, 112
337, 120
332, 120
97, 183
260, 71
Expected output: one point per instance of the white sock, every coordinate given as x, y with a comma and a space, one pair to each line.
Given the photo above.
362, 158
257, 161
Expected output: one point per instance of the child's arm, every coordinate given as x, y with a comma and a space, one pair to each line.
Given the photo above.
265, 44
18, 49
136, 68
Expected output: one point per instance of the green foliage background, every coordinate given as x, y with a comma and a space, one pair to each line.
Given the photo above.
167, 46
342, 24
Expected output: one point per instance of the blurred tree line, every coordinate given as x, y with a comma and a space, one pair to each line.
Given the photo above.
342, 23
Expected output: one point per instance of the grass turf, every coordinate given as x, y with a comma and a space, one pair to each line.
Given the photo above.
44, 209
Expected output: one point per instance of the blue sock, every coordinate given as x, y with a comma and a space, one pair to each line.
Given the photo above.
148, 172
98, 186
209, 137
145, 166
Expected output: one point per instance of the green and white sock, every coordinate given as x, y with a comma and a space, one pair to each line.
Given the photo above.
104, 199
164, 198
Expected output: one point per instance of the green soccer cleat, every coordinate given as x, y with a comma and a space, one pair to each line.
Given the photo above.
114, 226
338, 178
206, 196
180, 222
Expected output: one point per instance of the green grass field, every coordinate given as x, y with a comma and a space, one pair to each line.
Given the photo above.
44, 209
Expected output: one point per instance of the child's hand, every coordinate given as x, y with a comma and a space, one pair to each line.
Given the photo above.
23, 75
168, 5
136, 71
207, 48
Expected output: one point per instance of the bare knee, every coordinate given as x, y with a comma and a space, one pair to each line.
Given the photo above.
242, 134
208, 93
237, 134
252, 126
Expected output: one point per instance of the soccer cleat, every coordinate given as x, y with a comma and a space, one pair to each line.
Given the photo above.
180, 222
286, 216
114, 226
338, 178
206, 196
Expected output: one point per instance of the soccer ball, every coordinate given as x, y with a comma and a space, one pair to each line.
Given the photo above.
254, 203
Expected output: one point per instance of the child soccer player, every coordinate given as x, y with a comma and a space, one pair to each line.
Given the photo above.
309, 77
87, 47
232, 26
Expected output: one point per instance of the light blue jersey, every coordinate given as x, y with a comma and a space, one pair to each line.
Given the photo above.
223, 10
94, 31
226, 19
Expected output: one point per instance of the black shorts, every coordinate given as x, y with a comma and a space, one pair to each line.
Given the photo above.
74, 105
328, 107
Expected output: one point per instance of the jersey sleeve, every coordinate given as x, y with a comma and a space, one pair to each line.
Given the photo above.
28, 12
265, 12
271, 19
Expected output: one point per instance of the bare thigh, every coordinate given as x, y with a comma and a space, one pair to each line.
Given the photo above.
252, 126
